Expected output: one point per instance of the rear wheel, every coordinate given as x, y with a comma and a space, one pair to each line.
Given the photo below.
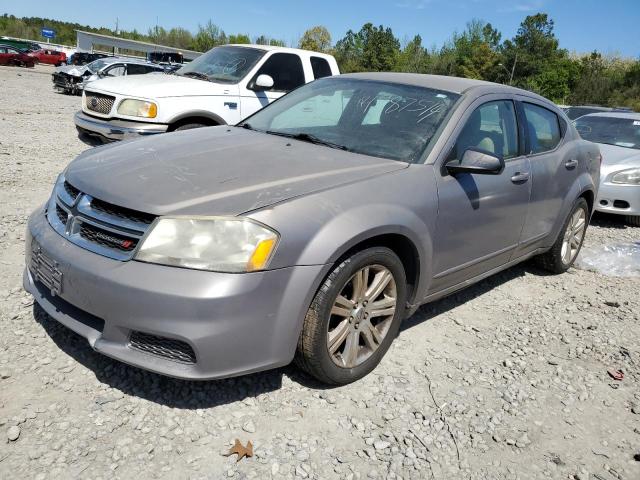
633, 220
567, 246
354, 317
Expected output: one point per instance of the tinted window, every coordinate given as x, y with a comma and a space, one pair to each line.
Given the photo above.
622, 132
286, 71
373, 118
134, 69
3, 50
543, 128
320, 67
491, 127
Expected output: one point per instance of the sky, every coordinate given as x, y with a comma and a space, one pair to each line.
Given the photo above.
609, 26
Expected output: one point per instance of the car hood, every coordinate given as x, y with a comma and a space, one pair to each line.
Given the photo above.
215, 171
158, 86
73, 70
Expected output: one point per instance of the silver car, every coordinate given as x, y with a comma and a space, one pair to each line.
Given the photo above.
312, 229
72, 79
618, 136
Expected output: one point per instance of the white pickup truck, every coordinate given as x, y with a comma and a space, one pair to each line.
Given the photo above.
221, 87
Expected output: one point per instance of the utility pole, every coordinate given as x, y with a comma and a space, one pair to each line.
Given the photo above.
513, 69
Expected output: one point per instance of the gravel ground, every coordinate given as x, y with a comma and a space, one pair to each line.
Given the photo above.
505, 380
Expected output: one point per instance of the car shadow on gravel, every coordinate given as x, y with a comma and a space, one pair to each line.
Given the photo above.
157, 388
605, 220
90, 140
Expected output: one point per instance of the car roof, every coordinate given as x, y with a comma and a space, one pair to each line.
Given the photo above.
440, 82
627, 115
129, 60
270, 48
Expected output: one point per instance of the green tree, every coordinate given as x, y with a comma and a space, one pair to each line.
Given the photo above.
413, 58
373, 49
208, 36
317, 39
239, 38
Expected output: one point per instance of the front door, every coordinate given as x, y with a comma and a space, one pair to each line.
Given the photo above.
480, 217
287, 73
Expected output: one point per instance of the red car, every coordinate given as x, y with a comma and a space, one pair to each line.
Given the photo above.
12, 56
51, 57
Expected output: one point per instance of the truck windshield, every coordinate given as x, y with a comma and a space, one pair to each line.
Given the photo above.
96, 66
223, 64
381, 119
619, 131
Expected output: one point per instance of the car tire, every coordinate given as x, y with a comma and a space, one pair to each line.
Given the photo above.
558, 259
189, 126
377, 264
633, 220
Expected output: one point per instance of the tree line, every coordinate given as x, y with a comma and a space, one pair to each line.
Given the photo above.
533, 59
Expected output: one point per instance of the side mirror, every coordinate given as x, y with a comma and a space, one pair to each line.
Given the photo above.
478, 161
263, 82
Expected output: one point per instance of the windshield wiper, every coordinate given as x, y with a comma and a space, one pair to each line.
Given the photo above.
307, 137
199, 75
246, 125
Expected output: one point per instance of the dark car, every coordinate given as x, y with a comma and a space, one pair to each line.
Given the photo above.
12, 56
312, 229
50, 57
82, 58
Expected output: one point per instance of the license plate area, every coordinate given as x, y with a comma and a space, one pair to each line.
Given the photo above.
45, 270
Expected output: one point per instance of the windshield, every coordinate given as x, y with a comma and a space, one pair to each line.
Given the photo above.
96, 65
223, 64
623, 132
380, 119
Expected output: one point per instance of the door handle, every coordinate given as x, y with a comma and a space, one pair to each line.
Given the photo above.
520, 177
573, 163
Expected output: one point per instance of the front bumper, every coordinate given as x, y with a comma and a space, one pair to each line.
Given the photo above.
112, 129
619, 199
235, 323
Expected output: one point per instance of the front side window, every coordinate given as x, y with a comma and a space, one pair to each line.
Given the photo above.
543, 128
135, 69
491, 127
286, 71
379, 119
115, 71
620, 131
223, 64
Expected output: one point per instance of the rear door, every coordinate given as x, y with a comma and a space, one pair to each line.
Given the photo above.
480, 217
554, 168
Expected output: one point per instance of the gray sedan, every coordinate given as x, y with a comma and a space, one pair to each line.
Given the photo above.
312, 229
618, 136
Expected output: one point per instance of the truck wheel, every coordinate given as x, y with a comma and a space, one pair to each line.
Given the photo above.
189, 126
633, 220
354, 317
569, 241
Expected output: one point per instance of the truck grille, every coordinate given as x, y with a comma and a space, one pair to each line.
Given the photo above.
167, 348
96, 225
97, 102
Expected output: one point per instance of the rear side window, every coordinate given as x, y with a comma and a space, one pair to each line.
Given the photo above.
286, 71
320, 67
543, 127
133, 69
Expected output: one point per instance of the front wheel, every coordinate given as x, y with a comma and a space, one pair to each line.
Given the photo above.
354, 317
567, 246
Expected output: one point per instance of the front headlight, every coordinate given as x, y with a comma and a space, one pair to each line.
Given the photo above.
629, 177
221, 244
138, 108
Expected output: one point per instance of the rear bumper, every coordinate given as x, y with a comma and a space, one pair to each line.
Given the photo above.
618, 199
234, 323
111, 129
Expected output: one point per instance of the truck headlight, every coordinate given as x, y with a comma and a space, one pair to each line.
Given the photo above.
138, 108
628, 177
221, 244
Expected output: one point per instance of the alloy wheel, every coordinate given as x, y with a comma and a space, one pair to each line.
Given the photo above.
573, 236
361, 316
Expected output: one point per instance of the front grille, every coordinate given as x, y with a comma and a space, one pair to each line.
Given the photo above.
62, 214
107, 239
121, 212
97, 102
167, 348
96, 225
